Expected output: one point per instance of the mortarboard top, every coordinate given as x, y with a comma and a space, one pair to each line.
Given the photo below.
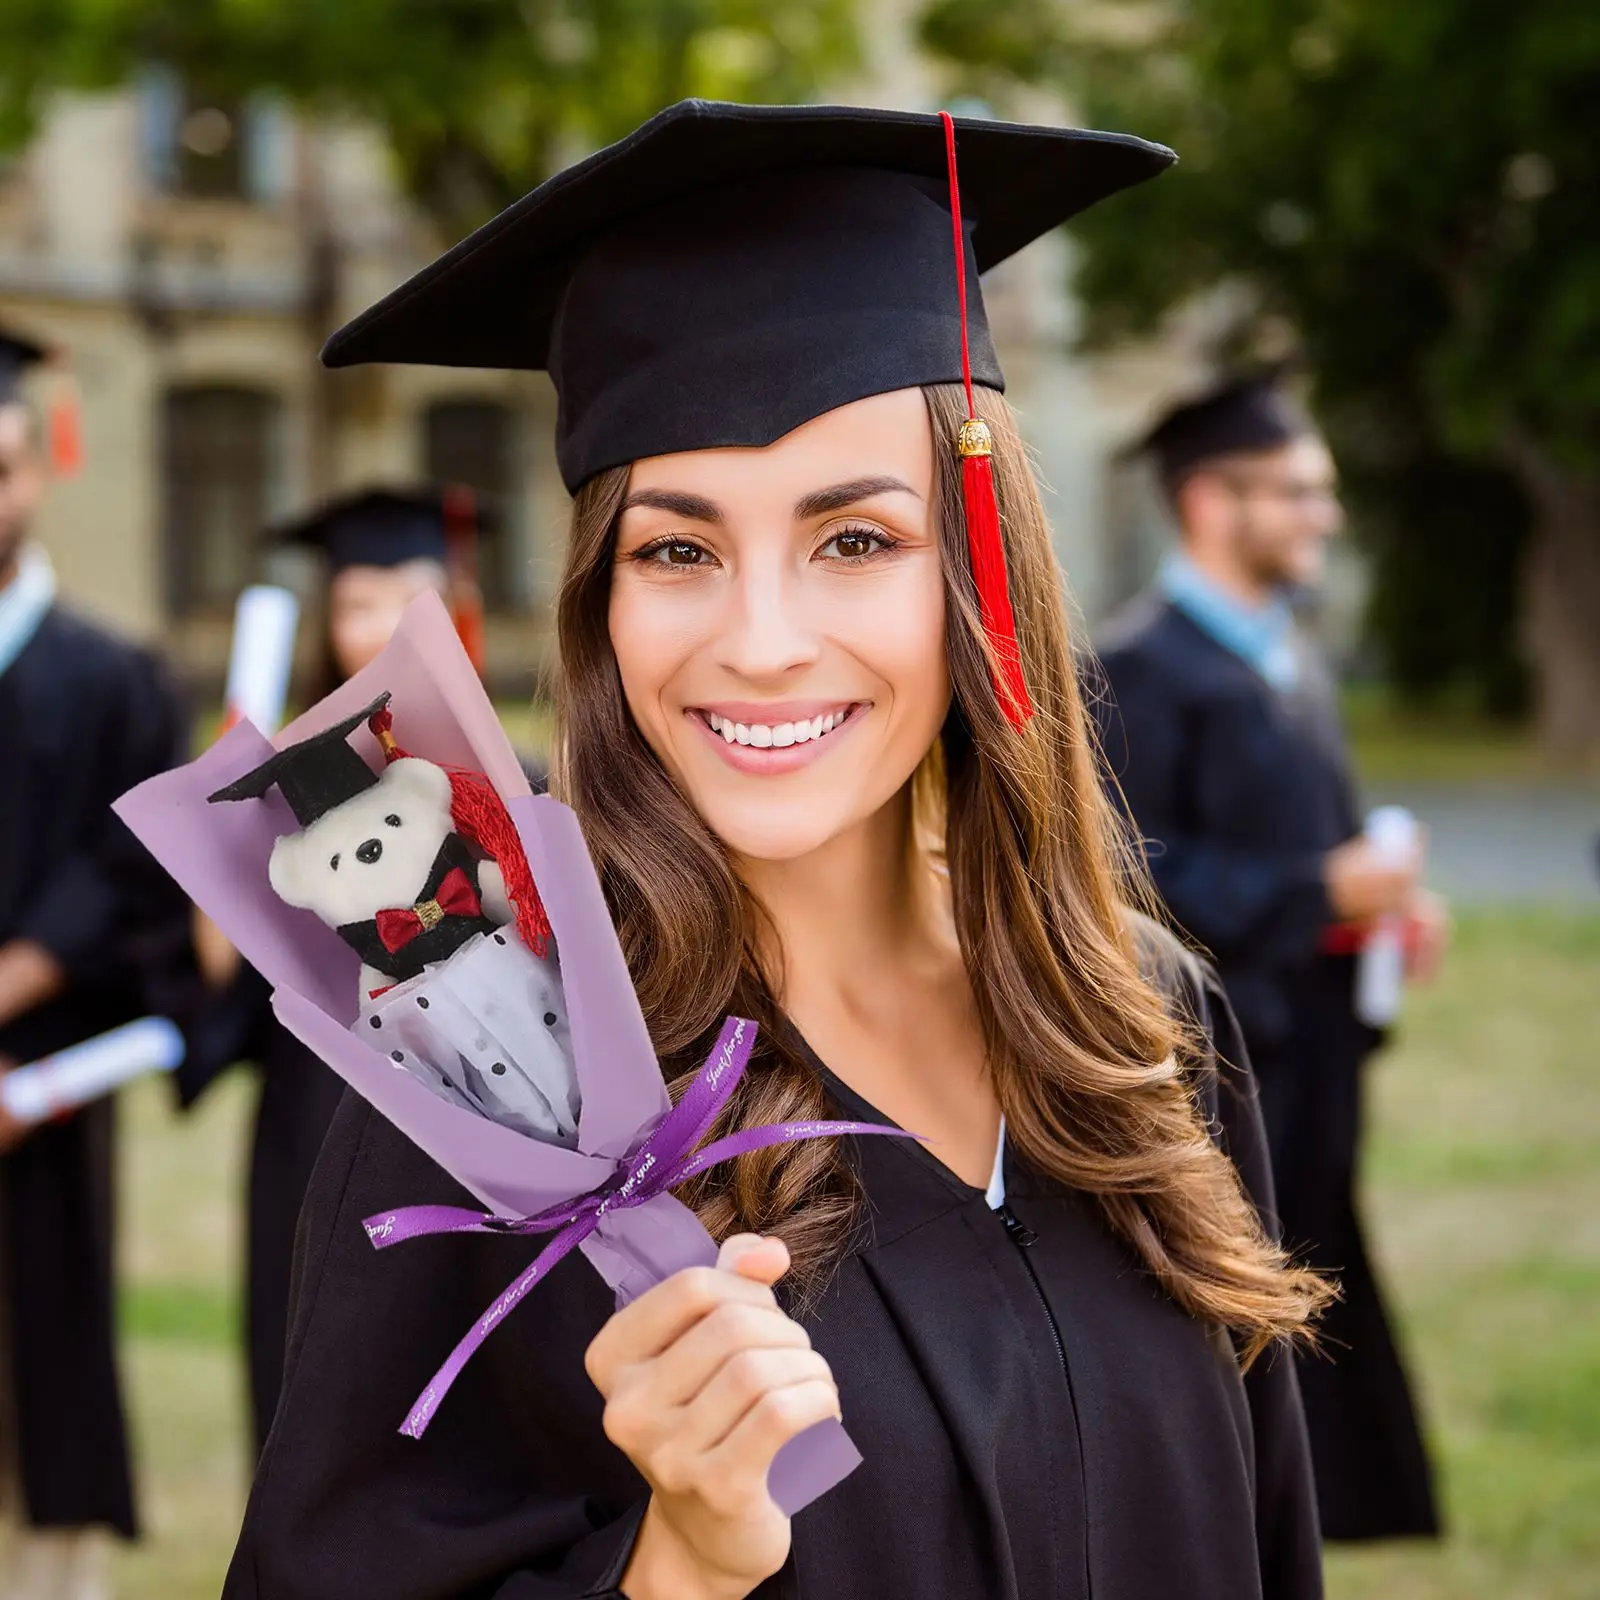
18, 355
727, 273
314, 775
1244, 414
378, 527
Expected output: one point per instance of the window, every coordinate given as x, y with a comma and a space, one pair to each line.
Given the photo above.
476, 443
219, 470
214, 147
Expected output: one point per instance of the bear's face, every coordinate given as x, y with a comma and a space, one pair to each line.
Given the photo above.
371, 854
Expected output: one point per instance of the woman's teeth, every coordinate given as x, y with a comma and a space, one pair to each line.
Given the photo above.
775, 735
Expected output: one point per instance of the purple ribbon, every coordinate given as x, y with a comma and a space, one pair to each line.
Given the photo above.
665, 1159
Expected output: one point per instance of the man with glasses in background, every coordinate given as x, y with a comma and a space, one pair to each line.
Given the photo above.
1220, 722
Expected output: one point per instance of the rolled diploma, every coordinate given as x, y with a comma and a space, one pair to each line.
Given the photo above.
83, 1072
1381, 973
262, 657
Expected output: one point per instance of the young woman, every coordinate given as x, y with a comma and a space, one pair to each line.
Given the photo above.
829, 783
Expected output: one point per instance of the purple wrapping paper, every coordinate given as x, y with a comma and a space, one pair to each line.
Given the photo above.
218, 855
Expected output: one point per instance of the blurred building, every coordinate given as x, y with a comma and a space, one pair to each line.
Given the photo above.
193, 256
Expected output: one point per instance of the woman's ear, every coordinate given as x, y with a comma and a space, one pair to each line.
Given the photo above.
286, 872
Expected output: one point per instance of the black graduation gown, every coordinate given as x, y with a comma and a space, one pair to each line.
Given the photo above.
297, 1098
83, 717
1240, 791
1037, 1421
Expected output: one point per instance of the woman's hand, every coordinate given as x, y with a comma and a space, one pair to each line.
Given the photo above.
704, 1379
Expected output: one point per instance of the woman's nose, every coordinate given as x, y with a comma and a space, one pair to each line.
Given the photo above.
769, 632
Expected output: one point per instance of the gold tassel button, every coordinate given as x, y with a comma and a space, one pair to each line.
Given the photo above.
974, 438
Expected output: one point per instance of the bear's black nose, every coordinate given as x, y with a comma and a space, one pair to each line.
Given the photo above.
369, 852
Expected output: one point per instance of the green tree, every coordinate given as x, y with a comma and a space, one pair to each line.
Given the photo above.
1412, 187
479, 98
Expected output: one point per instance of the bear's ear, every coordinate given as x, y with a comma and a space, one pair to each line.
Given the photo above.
287, 872
417, 786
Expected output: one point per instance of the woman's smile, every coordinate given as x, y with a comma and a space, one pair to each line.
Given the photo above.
769, 740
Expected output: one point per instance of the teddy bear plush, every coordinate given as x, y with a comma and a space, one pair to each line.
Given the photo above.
419, 869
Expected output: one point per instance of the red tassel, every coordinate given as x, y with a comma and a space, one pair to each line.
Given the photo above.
466, 598
65, 427
987, 551
985, 543
481, 818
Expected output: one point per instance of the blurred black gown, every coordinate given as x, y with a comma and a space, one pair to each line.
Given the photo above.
298, 1097
1039, 1421
1240, 790
83, 716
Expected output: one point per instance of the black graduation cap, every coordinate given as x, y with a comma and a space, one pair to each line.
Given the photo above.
375, 527
314, 775
18, 355
728, 272
1246, 413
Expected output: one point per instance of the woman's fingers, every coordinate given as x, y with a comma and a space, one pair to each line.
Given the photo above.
684, 1369
751, 1256
642, 1330
777, 1417
741, 1384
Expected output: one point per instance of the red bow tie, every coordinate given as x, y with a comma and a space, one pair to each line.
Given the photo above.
456, 898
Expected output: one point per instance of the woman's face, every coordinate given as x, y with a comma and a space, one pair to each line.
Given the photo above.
777, 616
365, 605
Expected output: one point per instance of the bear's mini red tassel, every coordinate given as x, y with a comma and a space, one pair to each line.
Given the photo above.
987, 551
481, 818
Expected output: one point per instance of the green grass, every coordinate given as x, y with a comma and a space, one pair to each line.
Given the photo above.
1484, 1197
1444, 743
1484, 1189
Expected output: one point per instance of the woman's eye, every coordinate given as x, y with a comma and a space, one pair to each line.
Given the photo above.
856, 544
674, 553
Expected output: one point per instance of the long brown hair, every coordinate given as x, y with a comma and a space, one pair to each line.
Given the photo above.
1085, 1053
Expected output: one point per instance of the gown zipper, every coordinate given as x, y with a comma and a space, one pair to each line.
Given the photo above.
1022, 1236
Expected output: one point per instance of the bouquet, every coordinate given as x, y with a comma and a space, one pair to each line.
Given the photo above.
438, 936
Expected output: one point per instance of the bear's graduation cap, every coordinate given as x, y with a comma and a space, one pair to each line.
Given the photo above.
314, 775
1246, 413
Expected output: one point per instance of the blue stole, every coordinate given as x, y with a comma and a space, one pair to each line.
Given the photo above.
1261, 636
24, 603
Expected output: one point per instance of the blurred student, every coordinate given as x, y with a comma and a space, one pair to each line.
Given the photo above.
83, 715
1222, 727
382, 548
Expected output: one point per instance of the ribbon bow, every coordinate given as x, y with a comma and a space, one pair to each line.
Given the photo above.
663, 1160
456, 898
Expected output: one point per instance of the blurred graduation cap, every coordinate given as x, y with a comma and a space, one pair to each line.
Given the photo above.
19, 356
314, 775
383, 526
1245, 413
729, 272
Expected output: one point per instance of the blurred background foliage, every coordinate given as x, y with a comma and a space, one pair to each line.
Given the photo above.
1404, 195
479, 99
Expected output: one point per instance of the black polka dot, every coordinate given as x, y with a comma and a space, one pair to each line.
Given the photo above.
399, 1055
422, 1000
550, 1019
498, 1069
377, 1021
499, 938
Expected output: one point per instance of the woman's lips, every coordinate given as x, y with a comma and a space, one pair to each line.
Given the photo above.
778, 745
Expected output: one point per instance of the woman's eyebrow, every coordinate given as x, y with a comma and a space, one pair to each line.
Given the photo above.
693, 506
821, 501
